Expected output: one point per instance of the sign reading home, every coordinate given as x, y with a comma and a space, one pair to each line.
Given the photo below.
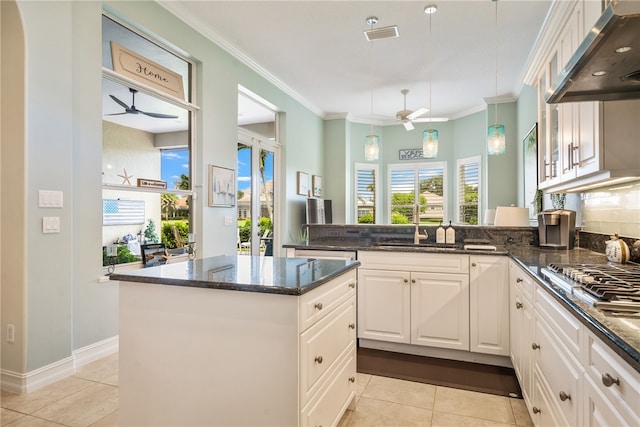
410, 154
151, 183
137, 67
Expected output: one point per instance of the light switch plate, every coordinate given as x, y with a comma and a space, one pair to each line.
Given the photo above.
50, 199
50, 224
228, 220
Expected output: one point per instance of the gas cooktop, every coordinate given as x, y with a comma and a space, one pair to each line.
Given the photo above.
606, 286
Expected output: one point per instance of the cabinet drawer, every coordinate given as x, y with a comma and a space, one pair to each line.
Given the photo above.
519, 278
545, 411
568, 328
561, 373
600, 411
328, 406
323, 344
319, 302
409, 261
614, 377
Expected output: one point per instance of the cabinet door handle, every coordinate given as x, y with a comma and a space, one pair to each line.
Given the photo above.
518, 280
318, 306
352, 325
518, 305
570, 156
413, 280
564, 396
473, 264
576, 150
536, 410
406, 280
352, 285
318, 360
535, 346
608, 380
352, 379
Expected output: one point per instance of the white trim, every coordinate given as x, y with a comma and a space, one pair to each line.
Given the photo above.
19, 383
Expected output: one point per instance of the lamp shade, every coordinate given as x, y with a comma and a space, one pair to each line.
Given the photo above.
371, 147
430, 143
511, 216
495, 140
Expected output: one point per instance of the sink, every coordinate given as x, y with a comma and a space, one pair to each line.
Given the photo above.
430, 246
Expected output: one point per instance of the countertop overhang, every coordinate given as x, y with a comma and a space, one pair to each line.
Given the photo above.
286, 276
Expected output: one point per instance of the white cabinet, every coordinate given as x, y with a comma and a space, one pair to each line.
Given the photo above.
521, 314
489, 304
413, 298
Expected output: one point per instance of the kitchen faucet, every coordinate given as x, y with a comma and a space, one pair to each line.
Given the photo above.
416, 221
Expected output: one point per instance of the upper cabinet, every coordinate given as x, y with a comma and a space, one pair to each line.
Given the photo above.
577, 141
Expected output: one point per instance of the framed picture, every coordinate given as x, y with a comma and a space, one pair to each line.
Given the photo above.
316, 184
153, 254
222, 187
530, 158
303, 184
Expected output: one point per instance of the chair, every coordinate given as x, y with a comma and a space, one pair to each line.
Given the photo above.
263, 239
242, 246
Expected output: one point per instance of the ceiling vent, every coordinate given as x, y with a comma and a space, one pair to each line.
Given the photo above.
382, 33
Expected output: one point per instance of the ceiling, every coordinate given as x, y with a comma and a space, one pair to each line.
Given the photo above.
317, 53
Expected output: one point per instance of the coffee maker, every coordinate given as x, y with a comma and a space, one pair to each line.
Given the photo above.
557, 228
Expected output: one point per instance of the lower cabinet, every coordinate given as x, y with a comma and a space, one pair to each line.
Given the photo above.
568, 375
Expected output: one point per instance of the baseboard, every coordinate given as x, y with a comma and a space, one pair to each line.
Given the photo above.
95, 351
20, 383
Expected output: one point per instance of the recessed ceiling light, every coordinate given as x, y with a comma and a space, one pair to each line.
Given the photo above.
599, 73
432, 8
623, 49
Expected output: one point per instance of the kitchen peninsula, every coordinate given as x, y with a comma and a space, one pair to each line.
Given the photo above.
238, 340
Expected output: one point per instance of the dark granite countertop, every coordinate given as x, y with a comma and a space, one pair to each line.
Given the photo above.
286, 276
622, 334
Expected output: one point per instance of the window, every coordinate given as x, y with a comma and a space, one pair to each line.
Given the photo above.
468, 190
424, 182
147, 150
366, 185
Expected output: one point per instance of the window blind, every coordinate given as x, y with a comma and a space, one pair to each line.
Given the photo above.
421, 184
468, 186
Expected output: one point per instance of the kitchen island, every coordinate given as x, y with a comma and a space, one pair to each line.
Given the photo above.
238, 340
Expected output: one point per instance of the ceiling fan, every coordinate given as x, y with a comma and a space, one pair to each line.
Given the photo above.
407, 117
134, 110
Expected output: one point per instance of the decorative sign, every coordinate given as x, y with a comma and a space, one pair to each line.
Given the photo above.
410, 154
137, 67
151, 183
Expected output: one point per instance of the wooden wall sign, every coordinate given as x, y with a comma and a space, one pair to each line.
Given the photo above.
151, 183
137, 67
410, 154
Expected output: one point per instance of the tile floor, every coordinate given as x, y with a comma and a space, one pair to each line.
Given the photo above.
90, 398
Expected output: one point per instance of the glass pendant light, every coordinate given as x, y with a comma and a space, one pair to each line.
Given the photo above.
371, 141
496, 143
430, 136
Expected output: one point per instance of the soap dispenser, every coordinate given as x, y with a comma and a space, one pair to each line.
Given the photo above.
450, 234
440, 237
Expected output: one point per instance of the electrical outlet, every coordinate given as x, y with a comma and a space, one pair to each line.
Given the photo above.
11, 333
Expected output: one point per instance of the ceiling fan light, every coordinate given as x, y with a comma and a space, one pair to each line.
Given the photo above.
430, 143
496, 143
371, 147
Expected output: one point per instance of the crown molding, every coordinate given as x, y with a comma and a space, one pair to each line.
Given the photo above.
179, 11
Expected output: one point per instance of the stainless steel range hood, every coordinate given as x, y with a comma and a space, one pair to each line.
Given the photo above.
612, 47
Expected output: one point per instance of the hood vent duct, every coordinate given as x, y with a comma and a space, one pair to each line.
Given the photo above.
606, 66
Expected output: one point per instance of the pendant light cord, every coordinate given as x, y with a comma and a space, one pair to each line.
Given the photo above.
495, 101
371, 80
430, 72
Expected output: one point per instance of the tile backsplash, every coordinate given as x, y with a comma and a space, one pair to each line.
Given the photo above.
611, 210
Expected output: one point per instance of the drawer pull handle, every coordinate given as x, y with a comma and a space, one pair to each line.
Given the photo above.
536, 410
608, 380
318, 306
518, 280
352, 325
564, 396
518, 305
352, 379
318, 360
473, 264
352, 285
535, 346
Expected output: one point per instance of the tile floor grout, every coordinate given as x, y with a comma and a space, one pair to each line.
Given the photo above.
83, 401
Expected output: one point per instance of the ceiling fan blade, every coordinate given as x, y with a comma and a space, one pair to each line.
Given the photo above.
122, 104
407, 124
417, 113
158, 115
116, 114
